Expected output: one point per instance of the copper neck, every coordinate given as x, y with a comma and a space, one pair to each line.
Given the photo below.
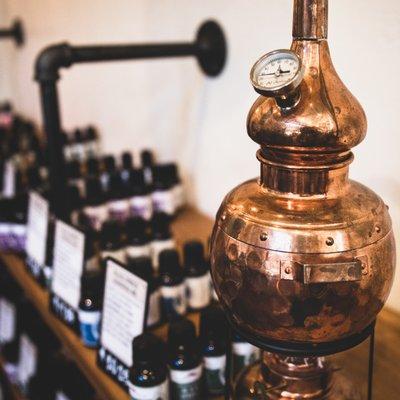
297, 377
310, 19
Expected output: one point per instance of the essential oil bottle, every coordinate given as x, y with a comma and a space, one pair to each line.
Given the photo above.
91, 142
75, 176
142, 267
95, 208
213, 338
111, 242
90, 307
139, 196
173, 296
108, 169
118, 206
147, 162
126, 166
161, 237
163, 195
197, 278
138, 240
185, 364
149, 374
243, 354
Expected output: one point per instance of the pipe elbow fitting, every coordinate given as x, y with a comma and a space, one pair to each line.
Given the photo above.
50, 60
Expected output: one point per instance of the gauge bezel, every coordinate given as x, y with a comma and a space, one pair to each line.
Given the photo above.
286, 87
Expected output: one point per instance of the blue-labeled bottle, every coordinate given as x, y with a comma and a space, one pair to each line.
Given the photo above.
173, 296
213, 339
185, 364
148, 377
90, 306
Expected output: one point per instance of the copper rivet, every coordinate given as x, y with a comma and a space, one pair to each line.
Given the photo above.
223, 217
288, 270
263, 237
377, 229
330, 241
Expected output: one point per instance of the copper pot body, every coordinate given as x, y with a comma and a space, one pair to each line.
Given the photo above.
304, 254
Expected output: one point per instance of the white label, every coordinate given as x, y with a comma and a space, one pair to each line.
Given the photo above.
159, 392
96, 215
177, 296
141, 206
157, 246
184, 377
212, 363
133, 252
7, 321
164, 201
89, 317
69, 245
38, 216
123, 311
245, 349
61, 396
27, 360
199, 295
9, 179
118, 210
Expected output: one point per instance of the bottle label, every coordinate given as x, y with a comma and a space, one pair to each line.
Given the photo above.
133, 252
96, 215
186, 385
214, 373
118, 210
173, 300
198, 291
154, 313
8, 321
157, 246
164, 201
159, 392
141, 206
243, 354
89, 322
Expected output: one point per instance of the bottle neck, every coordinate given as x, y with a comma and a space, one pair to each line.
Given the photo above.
310, 19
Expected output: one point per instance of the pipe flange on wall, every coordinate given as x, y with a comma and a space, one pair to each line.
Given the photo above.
15, 32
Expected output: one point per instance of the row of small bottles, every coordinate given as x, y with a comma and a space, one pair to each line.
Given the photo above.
32, 355
189, 367
174, 290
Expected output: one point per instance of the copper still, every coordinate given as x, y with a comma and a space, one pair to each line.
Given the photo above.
302, 257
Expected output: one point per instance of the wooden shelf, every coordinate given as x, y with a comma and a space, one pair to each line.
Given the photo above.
193, 225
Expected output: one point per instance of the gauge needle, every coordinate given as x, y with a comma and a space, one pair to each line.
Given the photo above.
277, 72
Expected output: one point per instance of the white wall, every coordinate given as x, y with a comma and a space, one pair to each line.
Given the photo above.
170, 106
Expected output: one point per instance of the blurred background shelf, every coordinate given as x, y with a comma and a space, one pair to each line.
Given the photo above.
12, 391
192, 224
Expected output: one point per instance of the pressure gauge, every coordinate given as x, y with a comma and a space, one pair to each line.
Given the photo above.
277, 74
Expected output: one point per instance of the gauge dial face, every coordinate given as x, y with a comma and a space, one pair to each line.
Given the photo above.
276, 71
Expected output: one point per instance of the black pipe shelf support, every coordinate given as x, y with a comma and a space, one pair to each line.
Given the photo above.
15, 32
209, 48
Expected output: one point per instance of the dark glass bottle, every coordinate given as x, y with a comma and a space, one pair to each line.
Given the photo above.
126, 165
118, 206
90, 306
74, 201
173, 296
138, 240
161, 236
149, 374
184, 361
213, 338
95, 208
163, 190
111, 242
74, 175
243, 354
92, 167
197, 278
78, 147
91, 142
140, 201
108, 169
147, 162
142, 267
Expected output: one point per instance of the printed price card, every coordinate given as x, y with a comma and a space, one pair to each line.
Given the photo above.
124, 316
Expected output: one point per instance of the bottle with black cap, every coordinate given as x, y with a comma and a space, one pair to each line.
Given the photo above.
163, 195
47, 272
91, 142
149, 374
173, 295
74, 175
138, 240
213, 338
108, 169
147, 162
90, 306
126, 165
78, 146
197, 278
92, 167
66, 143
161, 236
95, 209
74, 201
118, 206
142, 267
140, 201
111, 242
185, 364
243, 354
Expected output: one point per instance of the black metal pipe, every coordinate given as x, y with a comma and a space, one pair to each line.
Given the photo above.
15, 32
209, 48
